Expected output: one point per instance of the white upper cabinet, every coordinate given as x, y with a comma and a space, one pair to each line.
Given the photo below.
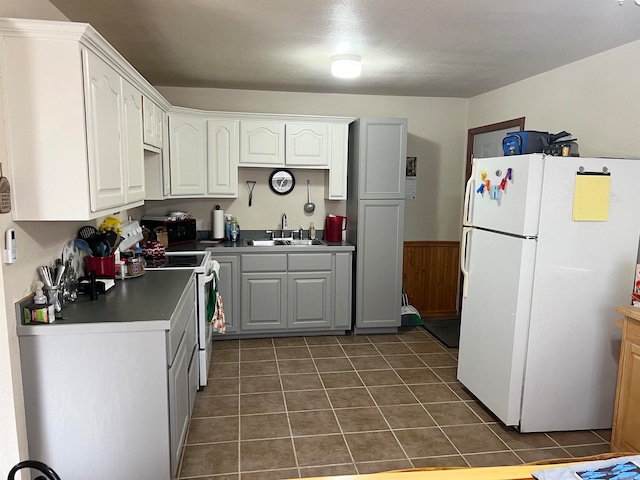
134, 155
223, 154
261, 143
105, 132
188, 154
74, 122
153, 126
336, 177
307, 145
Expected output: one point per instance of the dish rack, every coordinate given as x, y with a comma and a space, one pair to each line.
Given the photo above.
131, 233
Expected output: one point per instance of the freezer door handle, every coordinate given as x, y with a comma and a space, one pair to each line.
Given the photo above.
463, 260
467, 194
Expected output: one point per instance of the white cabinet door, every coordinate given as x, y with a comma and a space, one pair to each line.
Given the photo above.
223, 154
149, 121
261, 143
103, 100
188, 148
134, 156
153, 128
307, 144
336, 177
158, 131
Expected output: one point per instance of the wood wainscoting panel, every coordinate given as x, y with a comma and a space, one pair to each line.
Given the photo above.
430, 275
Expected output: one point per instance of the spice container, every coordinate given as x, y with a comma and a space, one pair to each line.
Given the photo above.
135, 266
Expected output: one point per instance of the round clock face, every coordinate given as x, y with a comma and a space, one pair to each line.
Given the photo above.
282, 181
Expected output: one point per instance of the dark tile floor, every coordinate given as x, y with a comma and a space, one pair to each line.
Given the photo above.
311, 406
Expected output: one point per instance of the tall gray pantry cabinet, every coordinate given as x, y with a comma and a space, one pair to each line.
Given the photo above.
375, 219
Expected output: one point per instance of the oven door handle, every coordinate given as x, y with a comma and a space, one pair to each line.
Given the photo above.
215, 268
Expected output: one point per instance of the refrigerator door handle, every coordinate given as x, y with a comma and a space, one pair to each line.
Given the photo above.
463, 260
467, 194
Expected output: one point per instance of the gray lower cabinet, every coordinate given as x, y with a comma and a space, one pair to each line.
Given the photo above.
111, 400
264, 301
289, 292
182, 366
309, 304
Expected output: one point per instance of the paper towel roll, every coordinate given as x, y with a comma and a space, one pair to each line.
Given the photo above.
218, 224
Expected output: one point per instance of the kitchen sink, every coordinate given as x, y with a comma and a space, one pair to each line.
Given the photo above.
283, 242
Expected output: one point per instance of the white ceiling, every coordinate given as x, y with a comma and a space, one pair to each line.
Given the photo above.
452, 48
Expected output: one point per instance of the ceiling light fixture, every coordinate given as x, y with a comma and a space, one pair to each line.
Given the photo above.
346, 66
621, 2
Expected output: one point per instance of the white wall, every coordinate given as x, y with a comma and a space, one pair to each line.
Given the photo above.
596, 99
437, 136
36, 242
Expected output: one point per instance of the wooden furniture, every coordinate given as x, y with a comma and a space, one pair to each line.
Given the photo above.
430, 276
626, 417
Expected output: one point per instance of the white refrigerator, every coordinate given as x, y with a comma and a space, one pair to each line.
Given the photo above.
538, 341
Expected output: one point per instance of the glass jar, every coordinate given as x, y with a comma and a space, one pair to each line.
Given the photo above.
135, 265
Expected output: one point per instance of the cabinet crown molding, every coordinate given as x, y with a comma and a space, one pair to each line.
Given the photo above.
276, 117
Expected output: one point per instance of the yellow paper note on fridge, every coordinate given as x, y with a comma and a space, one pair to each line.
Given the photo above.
591, 198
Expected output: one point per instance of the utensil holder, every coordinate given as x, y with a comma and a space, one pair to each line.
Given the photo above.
104, 267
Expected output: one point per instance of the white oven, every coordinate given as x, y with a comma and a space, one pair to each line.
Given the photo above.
204, 266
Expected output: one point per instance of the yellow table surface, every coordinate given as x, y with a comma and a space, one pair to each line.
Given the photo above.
515, 472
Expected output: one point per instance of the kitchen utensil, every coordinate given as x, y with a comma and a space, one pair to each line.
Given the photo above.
111, 237
5, 193
59, 274
84, 246
309, 207
250, 185
45, 275
87, 232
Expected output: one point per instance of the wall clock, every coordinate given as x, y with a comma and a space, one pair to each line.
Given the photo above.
282, 181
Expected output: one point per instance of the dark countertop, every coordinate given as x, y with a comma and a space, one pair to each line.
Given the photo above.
135, 304
227, 246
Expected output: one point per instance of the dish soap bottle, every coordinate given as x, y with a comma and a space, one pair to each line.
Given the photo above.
39, 298
233, 229
312, 231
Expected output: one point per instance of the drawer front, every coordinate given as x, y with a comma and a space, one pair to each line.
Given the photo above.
180, 319
264, 263
300, 262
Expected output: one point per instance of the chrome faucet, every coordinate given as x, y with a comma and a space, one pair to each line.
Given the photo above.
285, 225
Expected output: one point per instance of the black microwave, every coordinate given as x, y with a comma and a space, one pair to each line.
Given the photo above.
178, 231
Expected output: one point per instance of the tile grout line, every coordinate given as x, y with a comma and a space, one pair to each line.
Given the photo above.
344, 438
240, 348
286, 409
407, 457
430, 416
597, 440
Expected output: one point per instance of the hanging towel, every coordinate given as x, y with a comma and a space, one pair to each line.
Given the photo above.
215, 308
